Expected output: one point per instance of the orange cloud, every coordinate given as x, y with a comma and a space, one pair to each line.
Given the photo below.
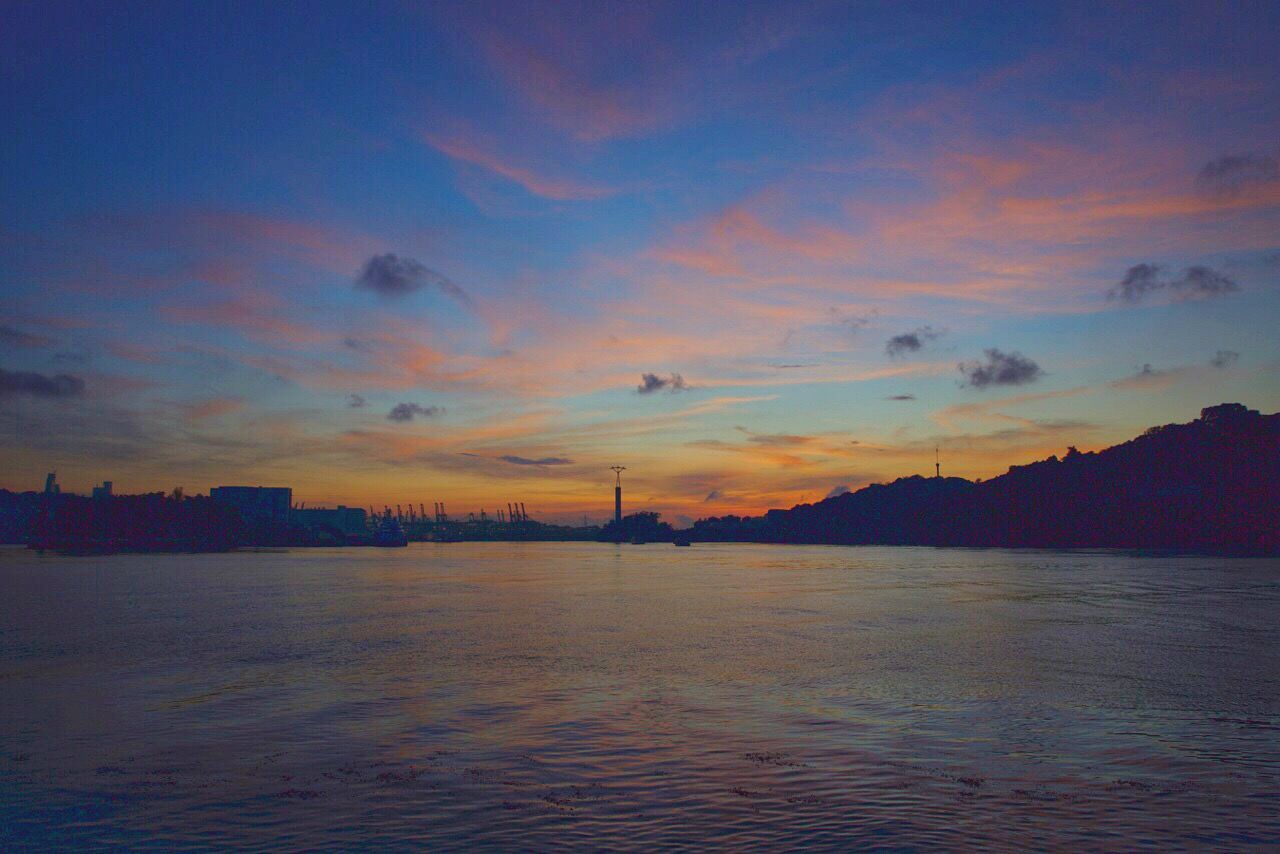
1022, 225
950, 417
213, 407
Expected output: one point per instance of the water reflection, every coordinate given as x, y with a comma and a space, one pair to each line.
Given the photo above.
540, 694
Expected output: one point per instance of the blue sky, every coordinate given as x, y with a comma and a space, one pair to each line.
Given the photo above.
227, 223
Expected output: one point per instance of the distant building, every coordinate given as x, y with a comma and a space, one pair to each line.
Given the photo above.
51, 484
345, 520
259, 502
103, 491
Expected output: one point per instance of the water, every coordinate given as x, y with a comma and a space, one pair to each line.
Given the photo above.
546, 695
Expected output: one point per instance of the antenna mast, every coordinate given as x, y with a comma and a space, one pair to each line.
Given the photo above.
617, 493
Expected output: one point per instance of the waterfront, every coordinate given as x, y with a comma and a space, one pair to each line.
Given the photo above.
545, 694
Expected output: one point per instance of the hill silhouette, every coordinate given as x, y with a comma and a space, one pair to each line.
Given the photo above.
1209, 485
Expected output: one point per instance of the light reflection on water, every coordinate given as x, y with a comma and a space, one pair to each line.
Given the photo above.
539, 695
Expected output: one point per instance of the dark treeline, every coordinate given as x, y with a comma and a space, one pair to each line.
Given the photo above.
18, 514
637, 528
1210, 485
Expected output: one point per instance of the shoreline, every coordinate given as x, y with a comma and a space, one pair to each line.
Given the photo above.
1126, 551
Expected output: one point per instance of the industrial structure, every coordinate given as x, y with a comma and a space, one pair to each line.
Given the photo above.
617, 493
509, 520
344, 525
354, 524
269, 516
347, 521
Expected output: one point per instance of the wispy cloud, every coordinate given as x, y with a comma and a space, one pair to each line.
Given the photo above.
650, 383
32, 384
1231, 172
1000, 369
213, 408
1224, 359
1139, 280
1196, 282
540, 461
472, 152
993, 411
910, 342
260, 317
776, 439
391, 275
18, 338
561, 71
403, 412
1149, 378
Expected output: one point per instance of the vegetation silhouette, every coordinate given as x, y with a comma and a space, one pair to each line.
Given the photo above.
1209, 485
638, 528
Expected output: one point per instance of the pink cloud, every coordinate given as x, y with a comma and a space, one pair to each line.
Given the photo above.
213, 408
322, 246
257, 318
560, 70
1015, 222
470, 150
135, 352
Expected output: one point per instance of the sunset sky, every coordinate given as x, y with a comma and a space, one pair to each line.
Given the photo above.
429, 252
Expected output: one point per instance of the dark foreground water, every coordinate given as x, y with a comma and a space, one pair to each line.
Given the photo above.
547, 695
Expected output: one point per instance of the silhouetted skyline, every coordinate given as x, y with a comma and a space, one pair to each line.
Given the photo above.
1210, 485
757, 252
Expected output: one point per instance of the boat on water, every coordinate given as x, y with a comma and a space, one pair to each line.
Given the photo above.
389, 534
683, 541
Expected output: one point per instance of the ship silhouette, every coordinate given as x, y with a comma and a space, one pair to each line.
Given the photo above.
389, 534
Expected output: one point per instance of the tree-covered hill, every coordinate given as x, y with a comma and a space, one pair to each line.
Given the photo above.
1212, 484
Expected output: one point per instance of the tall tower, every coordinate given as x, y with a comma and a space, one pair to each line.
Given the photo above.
937, 463
617, 493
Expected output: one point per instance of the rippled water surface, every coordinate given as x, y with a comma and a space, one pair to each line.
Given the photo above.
542, 695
